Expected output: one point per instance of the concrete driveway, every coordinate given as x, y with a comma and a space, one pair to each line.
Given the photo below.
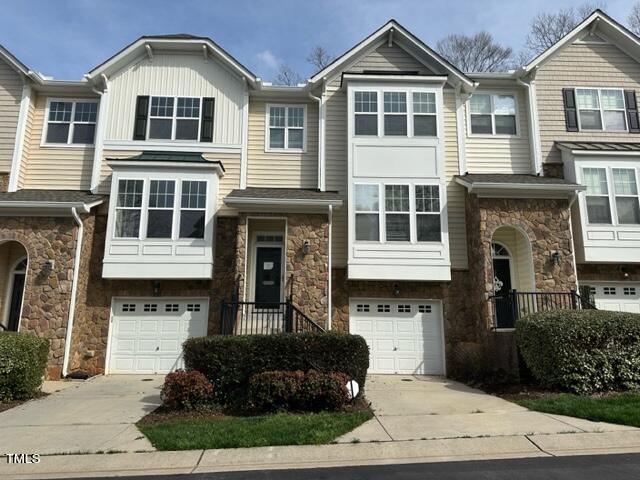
97, 415
422, 408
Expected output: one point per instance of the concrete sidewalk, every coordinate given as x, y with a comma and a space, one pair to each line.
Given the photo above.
335, 455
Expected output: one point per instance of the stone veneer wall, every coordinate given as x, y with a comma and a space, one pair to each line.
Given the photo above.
45, 309
4, 182
306, 276
93, 305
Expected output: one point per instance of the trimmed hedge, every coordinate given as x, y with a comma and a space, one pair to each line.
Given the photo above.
230, 361
582, 351
185, 390
23, 359
297, 391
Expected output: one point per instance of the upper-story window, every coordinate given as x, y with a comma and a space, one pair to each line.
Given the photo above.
286, 127
173, 209
492, 114
411, 213
395, 113
71, 122
174, 118
612, 194
601, 109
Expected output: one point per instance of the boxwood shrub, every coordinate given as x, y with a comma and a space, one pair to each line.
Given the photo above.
582, 351
23, 359
230, 361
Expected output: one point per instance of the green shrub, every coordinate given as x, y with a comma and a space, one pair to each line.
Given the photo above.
230, 361
23, 359
185, 390
582, 351
297, 391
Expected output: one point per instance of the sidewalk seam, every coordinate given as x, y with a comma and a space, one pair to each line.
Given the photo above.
582, 430
195, 467
538, 446
383, 428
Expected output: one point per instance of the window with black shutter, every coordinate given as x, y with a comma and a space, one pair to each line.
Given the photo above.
632, 111
570, 112
206, 123
142, 113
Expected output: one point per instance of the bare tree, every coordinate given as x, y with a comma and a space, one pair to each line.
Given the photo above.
549, 27
634, 18
287, 76
319, 57
476, 53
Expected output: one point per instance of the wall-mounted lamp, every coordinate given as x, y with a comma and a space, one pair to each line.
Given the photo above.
306, 246
48, 267
555, 258
156, 288
396, 289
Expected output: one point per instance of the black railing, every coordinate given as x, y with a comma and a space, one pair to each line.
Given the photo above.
264, 318
508, 307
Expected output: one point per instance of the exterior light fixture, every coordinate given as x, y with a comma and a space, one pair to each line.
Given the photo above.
396, 289
555, 258
156, 288
306, 246
48, 267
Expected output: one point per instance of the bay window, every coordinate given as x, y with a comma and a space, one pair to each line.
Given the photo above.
396, 200
428, 213
492, 114
71, 122
601, 109
128, 208
597, 195
286, 124
367, 207
160, 211
192, 209
625, 190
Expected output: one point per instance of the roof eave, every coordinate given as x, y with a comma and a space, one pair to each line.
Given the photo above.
280, 202
126, 163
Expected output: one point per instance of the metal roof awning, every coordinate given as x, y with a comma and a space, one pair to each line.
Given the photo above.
167, 159
282, 199
600, 148
34, 202
517, 186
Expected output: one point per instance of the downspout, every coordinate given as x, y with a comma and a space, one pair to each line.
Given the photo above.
460, 130
321, 108
74, 289
329, 303
574, 197
533, 126
16, 161
99, 142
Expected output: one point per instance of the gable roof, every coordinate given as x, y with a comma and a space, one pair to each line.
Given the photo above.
13, 61
599, 21
396, 32
178, 41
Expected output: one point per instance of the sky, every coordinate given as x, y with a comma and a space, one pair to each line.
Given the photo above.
66, 38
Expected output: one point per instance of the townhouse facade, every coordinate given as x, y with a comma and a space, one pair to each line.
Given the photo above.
172, 193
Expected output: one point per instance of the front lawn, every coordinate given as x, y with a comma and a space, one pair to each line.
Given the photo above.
194, 433
621, 408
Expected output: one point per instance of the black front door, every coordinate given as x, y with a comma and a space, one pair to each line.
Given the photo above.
15, 306
268, 273
505, 315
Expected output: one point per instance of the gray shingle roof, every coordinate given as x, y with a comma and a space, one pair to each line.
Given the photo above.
284, 194
53, 196
507, 179
601, 146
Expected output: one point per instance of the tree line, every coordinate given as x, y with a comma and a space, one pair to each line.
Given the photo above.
480, 52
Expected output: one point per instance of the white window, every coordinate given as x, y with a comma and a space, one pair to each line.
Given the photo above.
428, 213
128, 208
597, 195
286, 127
424, 114
492, 114
366, 113
193, 209
609, 290
397, 213
625, 190
160, 212
174, 118
601, 109
395, 114
629, 290
367, 208
71, 122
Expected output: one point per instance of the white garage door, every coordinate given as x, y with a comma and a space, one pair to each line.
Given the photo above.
403, 336
621, 297
147, 333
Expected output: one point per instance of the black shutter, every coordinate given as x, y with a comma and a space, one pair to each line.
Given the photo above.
632, 111
570, 112
206, 123
142, 112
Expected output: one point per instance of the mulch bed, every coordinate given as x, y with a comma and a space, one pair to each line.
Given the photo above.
4, 406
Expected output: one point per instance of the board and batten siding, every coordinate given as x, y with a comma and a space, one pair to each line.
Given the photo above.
63, 167
10, 97
588, 65
176, 75
280, 169
499, 154
230, 180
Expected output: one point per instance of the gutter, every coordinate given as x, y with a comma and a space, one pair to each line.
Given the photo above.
329, 280
74, 289
520, 186
82, 207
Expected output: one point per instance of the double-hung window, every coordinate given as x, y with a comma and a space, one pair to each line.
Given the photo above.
160, 212
174, 118
193, 208
395, 113
128, 208
286, 127
625, 190
492, 114
366, 113
397, 213
428, 213
367, 208
597, 195
71, 122
424, 114
601, 109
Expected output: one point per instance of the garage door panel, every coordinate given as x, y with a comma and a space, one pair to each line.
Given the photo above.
124, 345
125, 326
384, 345
616, 296
383, 326
149, 326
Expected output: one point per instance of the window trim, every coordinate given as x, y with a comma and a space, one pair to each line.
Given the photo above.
438, 213
601, 110
407, 95
492, 93
205, 209
172, 208
421, 114
174, 118
380, 212
616, 195
116, 207
69, 144
267, 127
613, 210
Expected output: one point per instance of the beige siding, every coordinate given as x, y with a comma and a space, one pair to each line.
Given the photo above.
495, 154
10, 96
287, 170
29, 135
230, 180
176, 75
65, 167
580, 65
392, 59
